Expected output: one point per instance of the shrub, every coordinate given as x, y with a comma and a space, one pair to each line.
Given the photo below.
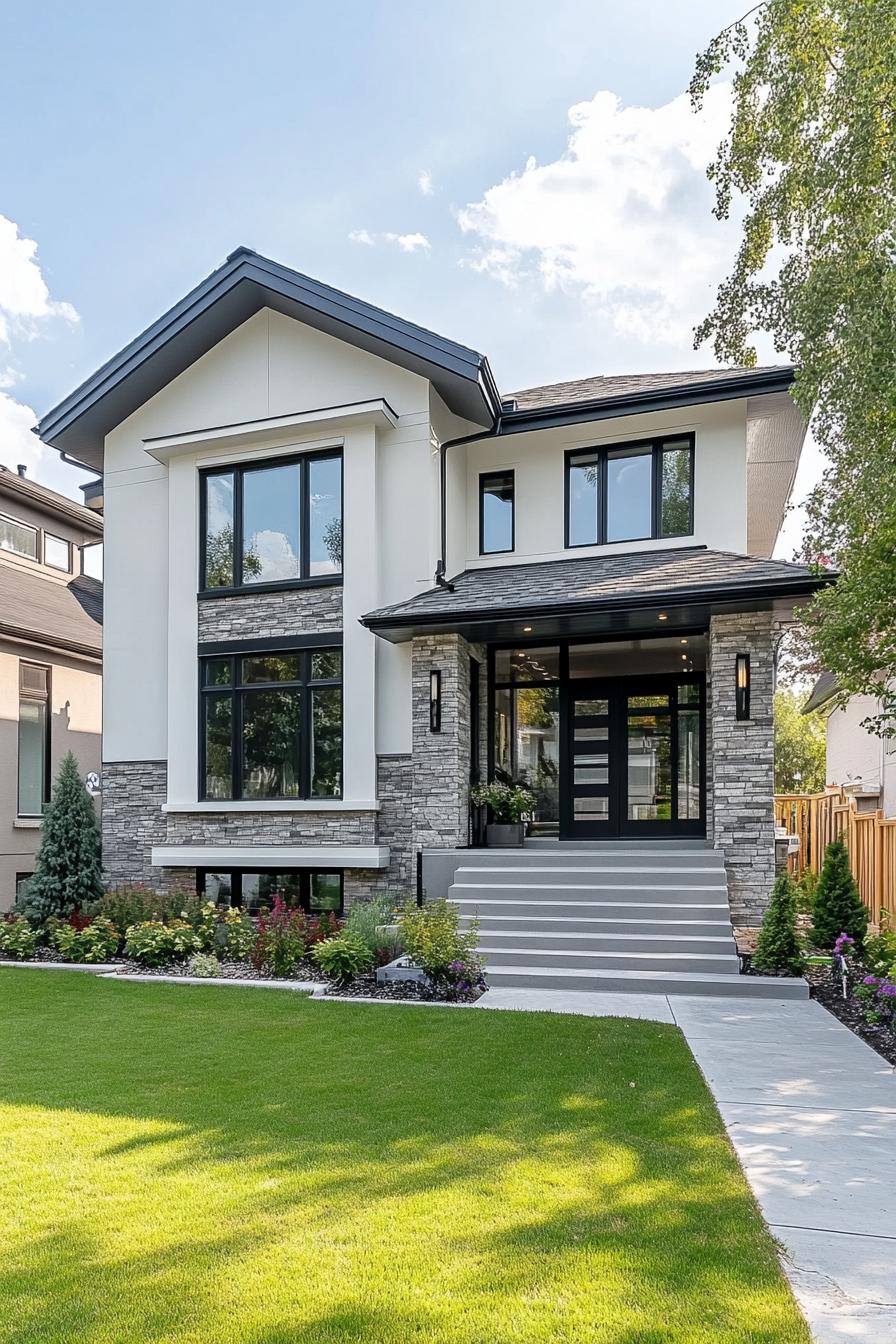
806, 889
343, 957
235, 936
93, 943
153, 943
321, 927
204, 965
435, 941
67, 867
838, 905
369, 920
879, 949
17, 938
281, 940
125, 906
876, 995
778, 947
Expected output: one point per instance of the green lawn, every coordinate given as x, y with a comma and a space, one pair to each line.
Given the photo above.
210, 1165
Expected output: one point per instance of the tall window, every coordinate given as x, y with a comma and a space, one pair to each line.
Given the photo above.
276, 522
18, 538
632, 492
271, 724
34, 739
496, 512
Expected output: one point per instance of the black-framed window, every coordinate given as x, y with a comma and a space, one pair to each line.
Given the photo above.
34, 739
57, 552
316, 891
630, 491
496, 512
271, 724
19, 538
273, 523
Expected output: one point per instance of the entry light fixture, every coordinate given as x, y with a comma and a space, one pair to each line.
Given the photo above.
742, 686
435, 700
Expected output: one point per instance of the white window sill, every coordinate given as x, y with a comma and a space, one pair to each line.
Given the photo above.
278, 805
27, 823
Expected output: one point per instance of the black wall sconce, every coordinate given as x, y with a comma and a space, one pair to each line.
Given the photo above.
742, 687
435, 701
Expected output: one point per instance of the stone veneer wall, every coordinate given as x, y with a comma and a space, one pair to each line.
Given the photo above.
741, 761
296, 611
132, 822
441, 761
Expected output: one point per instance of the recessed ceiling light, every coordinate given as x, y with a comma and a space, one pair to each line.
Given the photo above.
684, 657
682, 641
527, 629
662, 616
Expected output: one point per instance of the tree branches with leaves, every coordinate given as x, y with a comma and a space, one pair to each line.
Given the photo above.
811, 150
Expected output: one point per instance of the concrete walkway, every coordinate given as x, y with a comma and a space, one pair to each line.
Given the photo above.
811, 1112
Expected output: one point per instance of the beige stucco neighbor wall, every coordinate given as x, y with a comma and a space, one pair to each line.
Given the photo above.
76, 711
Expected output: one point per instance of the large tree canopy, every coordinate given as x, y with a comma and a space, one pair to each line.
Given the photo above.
812, 152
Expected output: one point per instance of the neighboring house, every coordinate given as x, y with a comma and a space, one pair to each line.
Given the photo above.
855, 759
50, 659
293, 700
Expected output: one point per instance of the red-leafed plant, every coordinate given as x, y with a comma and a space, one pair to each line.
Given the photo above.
282, 939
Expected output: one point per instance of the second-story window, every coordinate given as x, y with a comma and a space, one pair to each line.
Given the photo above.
276, 522
18, 537
630, 492
57, 552
496, 523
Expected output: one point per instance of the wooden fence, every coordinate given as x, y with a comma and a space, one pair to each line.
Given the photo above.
818, 818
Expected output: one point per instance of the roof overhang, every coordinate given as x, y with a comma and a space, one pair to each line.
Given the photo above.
246, 283
775, 433
655, 613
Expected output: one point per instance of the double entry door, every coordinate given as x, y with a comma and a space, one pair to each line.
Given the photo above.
633, 760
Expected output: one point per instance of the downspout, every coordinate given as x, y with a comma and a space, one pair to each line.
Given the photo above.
493, 433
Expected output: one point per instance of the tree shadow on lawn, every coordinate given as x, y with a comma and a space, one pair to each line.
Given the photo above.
259, 1168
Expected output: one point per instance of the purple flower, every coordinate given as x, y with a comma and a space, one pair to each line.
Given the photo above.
887, 990
870, 980
844, 945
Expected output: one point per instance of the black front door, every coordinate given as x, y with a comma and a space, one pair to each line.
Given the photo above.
633, 758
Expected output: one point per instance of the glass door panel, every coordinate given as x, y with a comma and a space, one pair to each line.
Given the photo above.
590, 770
649, 770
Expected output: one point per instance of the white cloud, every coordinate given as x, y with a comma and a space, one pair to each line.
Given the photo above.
24, 296
623, 217
408, 242
424, 182
25, 304
362, 236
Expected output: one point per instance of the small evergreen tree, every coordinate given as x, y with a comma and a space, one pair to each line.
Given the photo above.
778, 947
838, 905
67, 868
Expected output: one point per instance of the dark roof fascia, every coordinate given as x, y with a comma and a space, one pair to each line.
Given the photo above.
825, 689
686, 596
661, 399
249, 282
44, 500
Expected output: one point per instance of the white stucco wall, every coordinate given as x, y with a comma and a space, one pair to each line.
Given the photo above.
852, 752
720, 466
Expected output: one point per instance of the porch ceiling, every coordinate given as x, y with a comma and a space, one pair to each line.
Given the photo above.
646, 590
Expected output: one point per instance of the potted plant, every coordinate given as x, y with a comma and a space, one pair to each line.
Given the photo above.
508, 805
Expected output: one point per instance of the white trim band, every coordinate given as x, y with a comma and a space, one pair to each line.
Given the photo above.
279, 805
268, 856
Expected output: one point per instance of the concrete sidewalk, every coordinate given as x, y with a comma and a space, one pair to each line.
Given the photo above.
811, 1112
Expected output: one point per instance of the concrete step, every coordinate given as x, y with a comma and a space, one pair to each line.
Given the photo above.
720, 944
647, 982
668, 922
537, 875
609, 907
577, 960
583, 857
548, 845
579, 892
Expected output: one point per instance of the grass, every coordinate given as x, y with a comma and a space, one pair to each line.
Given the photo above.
233, 1166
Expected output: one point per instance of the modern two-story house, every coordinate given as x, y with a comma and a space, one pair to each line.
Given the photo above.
347, 576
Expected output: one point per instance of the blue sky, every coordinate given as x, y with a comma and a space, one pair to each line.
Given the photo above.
382, 147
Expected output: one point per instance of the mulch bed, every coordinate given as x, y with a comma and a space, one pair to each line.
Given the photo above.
366, 987
830, 996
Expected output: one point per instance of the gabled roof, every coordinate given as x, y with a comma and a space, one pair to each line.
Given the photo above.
35, 607
15, 487
633, 384
246, 283
604, 583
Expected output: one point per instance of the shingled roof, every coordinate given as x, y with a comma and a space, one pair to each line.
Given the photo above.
598, 583
59, 615
612, 386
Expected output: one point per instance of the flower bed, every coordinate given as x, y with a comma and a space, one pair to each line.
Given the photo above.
163, 935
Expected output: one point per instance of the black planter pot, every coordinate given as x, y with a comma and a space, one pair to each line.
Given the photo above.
505, 834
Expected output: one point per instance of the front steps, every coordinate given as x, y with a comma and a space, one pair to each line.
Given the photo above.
627, 917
